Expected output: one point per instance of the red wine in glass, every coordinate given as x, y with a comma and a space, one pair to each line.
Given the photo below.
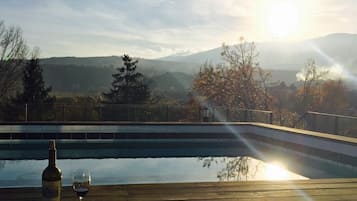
81, 184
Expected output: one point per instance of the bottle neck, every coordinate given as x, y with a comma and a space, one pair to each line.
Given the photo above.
52, 158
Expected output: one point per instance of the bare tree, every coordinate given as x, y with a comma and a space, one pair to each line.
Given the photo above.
249, 79
265, 81
238, 83
310, 92
13, 52
237, 79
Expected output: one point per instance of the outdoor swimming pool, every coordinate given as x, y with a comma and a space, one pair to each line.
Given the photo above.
111, 162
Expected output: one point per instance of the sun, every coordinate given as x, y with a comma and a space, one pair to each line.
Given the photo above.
282, 19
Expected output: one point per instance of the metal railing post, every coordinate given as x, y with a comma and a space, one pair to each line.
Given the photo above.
271, 117
26, 112
245, 115
126, 109
167, 112
213, 113
227, 114
313, 121
100, 113
336, 125
134, 112
63, 112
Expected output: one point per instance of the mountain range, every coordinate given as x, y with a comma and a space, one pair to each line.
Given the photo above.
174, 74
327, 51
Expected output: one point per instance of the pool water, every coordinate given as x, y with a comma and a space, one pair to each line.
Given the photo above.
20, 173
157, 161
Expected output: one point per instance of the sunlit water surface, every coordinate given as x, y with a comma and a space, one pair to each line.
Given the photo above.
147, 170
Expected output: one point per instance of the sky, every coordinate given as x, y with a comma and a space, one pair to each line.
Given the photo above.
157, 28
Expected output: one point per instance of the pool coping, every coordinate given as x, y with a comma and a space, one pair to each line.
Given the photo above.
263, 125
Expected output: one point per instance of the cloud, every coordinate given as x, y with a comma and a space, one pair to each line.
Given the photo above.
157, 27
151, 28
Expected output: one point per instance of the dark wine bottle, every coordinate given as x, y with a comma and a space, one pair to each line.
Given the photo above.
51, 177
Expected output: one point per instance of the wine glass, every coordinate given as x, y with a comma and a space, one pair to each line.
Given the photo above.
81, 183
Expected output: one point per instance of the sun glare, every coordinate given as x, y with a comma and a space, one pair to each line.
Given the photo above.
282, 19
276, 171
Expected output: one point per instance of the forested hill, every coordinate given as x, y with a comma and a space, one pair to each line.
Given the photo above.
93, 75
147, 66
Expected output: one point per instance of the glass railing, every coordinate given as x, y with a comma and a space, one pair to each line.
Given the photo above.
328, 123
131, 112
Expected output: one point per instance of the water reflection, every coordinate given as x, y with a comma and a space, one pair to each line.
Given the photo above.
247, 168
234, 169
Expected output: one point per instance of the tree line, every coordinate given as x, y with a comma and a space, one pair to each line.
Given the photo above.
240, 82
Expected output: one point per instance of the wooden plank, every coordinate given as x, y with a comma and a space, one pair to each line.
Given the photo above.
315, 198
245, 186
322, 189
172, 195
180, 190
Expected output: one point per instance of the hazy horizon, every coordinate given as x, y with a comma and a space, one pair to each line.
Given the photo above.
192, 53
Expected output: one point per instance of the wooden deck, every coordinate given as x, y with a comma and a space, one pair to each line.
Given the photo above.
305, 190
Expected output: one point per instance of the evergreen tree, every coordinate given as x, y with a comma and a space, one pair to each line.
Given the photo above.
34, 90
34, 94
128, 86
